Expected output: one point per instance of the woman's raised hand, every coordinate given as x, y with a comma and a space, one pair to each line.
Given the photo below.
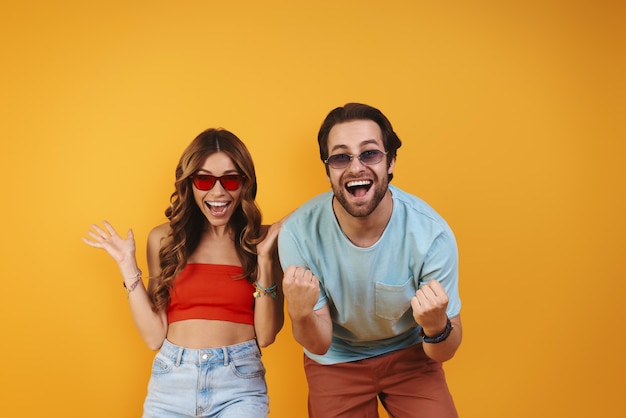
121, 249
266, 247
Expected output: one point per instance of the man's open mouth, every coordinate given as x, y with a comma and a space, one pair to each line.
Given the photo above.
358, 188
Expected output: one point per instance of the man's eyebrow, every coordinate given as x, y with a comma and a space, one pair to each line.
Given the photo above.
344, 147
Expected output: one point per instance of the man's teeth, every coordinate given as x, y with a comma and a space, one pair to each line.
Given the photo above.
358, 183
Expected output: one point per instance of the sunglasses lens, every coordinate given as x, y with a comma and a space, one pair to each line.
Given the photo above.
339, 160
231, 182
204, 181
371, 157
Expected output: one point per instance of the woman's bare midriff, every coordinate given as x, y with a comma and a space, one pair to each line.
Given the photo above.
203, 333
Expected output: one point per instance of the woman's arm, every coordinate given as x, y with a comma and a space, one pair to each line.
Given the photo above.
151, 326
268, 309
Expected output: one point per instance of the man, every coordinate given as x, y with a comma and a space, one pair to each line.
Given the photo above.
371, 281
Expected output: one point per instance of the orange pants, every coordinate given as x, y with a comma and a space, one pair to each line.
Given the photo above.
407, 382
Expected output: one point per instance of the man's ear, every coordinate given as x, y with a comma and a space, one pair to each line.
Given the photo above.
392, 165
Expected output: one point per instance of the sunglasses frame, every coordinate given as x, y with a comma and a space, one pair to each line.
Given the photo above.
333, 158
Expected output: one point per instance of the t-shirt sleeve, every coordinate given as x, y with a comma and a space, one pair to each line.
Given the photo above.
442, 264
291, 254
288, 252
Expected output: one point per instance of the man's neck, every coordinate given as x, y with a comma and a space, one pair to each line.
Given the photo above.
364, 231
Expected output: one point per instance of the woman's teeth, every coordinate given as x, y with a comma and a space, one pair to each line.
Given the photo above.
217, 207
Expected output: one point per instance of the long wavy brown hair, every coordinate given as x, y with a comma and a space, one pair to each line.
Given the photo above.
187, 222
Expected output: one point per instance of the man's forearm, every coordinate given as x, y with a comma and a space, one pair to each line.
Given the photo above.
445, 350
313, 332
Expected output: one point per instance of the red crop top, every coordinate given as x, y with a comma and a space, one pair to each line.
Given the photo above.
208, 291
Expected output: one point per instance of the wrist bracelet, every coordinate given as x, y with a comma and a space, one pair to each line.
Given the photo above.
134, 284
439, 338
264, 291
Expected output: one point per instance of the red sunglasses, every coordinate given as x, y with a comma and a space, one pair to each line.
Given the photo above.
206, 181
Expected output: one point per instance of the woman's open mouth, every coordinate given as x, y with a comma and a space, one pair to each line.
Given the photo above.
217, 208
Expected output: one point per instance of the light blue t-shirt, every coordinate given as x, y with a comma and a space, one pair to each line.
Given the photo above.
369, 290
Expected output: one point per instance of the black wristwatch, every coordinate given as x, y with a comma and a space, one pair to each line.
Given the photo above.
438, 338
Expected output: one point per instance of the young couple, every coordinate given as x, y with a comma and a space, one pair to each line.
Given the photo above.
369, 272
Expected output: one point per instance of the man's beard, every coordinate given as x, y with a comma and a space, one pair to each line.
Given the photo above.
365, 209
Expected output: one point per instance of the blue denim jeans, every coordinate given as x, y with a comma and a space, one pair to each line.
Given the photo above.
225, 382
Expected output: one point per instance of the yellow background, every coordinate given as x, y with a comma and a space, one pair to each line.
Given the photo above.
511, 115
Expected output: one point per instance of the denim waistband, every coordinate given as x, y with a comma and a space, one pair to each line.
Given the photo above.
224, 354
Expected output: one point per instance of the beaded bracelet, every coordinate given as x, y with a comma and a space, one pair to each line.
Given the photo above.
263, 291
439, 338
132, 287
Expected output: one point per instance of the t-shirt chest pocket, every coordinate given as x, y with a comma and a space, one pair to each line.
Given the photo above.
392, 301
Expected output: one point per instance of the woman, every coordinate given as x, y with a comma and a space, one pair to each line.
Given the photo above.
213, 295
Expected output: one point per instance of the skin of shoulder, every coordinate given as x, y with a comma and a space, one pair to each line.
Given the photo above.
159, 231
